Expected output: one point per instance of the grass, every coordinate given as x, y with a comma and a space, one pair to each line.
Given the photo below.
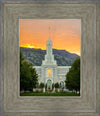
48, 94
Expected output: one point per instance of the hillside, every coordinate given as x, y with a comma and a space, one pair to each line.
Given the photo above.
63, 57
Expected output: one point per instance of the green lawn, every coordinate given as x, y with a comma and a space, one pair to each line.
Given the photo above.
49, 94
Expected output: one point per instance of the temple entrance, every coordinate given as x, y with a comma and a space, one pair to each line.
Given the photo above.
49, 84
62, 84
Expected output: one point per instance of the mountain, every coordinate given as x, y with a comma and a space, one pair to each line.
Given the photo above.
36, 56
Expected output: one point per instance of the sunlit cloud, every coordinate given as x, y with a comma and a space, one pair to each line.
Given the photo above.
65, 34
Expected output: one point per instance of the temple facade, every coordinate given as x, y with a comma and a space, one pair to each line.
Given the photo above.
49, 73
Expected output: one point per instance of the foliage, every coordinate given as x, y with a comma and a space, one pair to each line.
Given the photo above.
52, 85
28, 76
49, 94
41, 85
57, 85
73, 76
21, 59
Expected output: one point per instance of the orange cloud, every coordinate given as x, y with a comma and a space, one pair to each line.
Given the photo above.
65, 33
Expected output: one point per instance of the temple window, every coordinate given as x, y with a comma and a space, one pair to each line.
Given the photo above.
49, 72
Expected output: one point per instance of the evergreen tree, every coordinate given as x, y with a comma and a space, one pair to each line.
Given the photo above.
73, 76
28, 76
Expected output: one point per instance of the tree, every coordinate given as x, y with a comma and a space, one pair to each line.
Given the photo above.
73, 76
34, 75
28, 76
57, 85
41, 85
52, 85
21, 59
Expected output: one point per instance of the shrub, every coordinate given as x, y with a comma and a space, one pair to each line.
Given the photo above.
41, 85
57, 85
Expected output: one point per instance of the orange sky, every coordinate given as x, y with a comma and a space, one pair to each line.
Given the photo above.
65, 33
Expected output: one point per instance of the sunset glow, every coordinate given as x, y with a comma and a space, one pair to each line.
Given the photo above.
30, 46
65, 34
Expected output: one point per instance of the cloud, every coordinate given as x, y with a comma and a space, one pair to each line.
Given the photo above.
65, 34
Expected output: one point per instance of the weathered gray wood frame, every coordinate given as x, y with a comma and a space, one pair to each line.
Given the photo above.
87, 103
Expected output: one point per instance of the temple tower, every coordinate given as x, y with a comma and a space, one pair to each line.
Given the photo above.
49, 65
49, 57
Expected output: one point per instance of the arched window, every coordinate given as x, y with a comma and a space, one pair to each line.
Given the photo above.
49, 72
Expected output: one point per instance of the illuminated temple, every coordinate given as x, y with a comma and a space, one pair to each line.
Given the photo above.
49, 72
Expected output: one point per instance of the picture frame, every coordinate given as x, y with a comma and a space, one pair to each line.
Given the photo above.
11, 101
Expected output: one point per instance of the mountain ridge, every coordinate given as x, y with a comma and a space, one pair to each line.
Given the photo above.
63, 57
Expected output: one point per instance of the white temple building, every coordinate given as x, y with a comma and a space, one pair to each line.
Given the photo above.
49, 73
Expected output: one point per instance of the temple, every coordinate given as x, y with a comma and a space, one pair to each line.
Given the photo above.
49, 73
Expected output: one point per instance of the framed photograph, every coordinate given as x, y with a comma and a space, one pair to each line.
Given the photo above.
50, 58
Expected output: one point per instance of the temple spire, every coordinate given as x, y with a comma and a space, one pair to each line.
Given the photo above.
49, 32
49, 57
